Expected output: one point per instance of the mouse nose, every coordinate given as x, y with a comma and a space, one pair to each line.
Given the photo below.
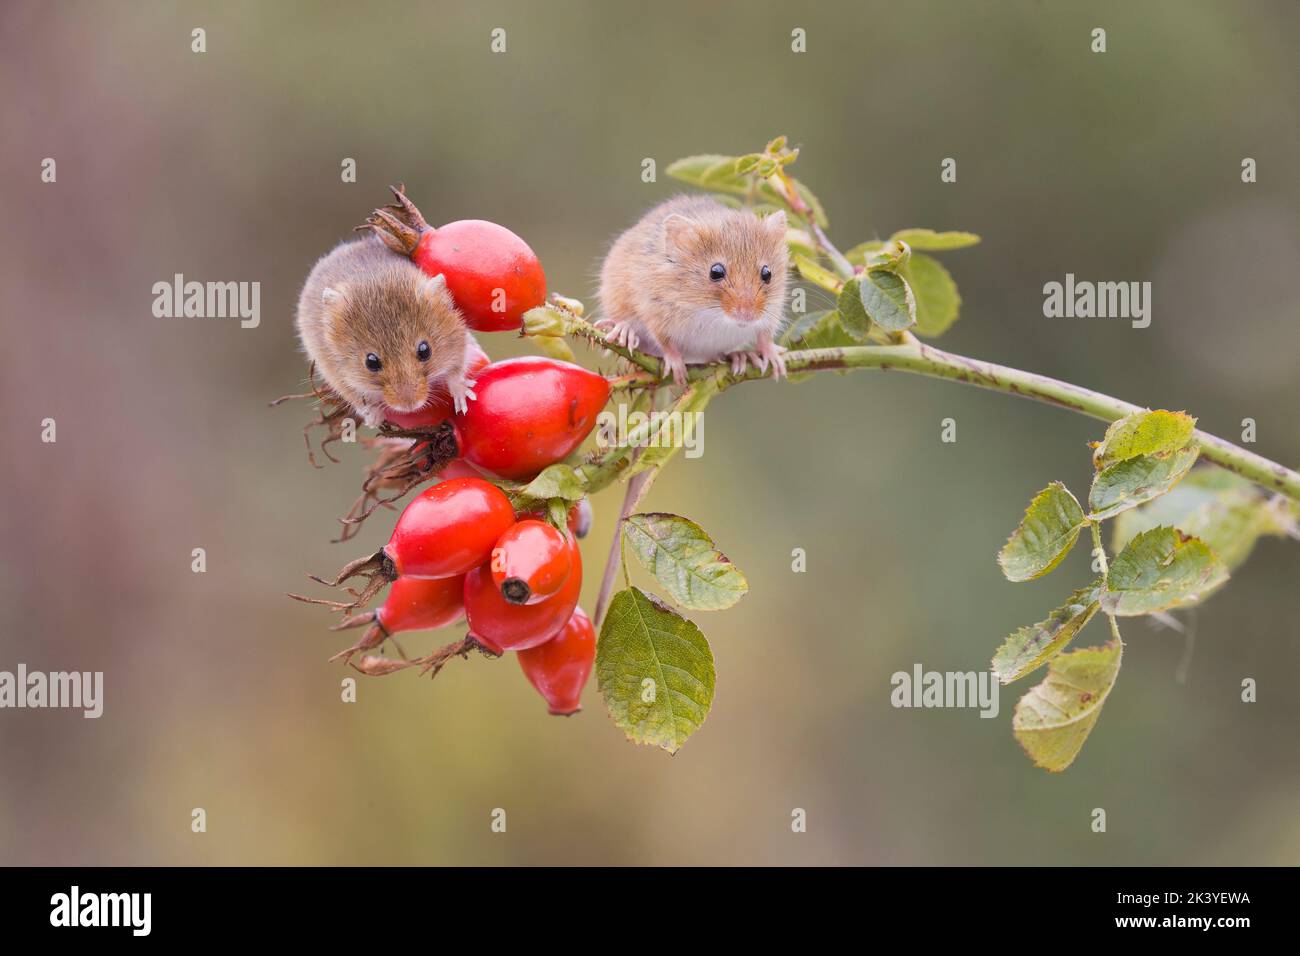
407, 398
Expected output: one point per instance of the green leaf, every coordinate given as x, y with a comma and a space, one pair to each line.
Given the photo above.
815, 273
1224, 510
937, 300
1045, 536
1143, 433
817, 330
647, 650
859, 254
718, 173
888, 300
1052, 721
853, 314
1127, 484
681, 556
556, 481
1031, 647
930, 241
1160, 569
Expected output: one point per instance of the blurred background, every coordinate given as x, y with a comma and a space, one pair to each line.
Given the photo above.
226, 166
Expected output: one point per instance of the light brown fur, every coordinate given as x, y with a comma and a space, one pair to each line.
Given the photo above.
361, 298
656, 293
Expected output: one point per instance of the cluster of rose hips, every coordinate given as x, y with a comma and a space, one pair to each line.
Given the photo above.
461, 549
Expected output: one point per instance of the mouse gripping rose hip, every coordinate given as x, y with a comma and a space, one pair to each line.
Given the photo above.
530, 562
446, 531
559, 668
413, 604
512, 627
491, 273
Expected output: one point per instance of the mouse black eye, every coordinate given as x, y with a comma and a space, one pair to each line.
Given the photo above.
765, 274
422, 351
372, 362
717, 272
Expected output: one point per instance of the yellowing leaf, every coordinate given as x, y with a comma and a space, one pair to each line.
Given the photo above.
1053, 720
930, 241
1127, 484
1046, 534
681, 556
1224, 510
1031, 647
1160, 569
1144, 433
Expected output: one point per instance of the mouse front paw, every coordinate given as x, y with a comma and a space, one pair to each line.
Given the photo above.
769, 353
620, 333
462, 393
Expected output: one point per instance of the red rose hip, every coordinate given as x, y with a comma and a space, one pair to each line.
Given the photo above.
514, 627
530, 562
559, 668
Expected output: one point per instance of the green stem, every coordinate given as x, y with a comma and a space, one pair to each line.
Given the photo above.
1099, 550
921, 359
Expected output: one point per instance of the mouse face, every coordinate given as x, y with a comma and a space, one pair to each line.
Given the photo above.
731, 266
393, 336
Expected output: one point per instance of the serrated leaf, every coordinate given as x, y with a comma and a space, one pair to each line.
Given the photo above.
1045, 535
1224, 510
718, 173
815, 273
1143, 433
1158, 570
643, 640
930, 241
682, 557
888, 300
1127, 484
556, 481
1031, 647
1053, 720
937, 299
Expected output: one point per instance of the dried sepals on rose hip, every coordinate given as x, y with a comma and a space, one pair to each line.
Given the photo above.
444, 532
559, 668
491, 273
412, 604
512, 627
531, 561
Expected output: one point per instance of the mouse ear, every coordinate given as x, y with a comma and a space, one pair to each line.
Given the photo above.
435, 287
679, 231
775, 223
332, 297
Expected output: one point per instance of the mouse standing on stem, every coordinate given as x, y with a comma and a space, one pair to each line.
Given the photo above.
381, 333
697, 281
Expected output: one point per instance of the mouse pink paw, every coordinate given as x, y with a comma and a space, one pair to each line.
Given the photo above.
675, 366
620, 333
769, 353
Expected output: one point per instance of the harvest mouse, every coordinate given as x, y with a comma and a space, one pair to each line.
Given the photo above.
381, 333
697, 281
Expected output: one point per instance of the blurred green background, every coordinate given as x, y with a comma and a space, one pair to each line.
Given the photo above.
225, 166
